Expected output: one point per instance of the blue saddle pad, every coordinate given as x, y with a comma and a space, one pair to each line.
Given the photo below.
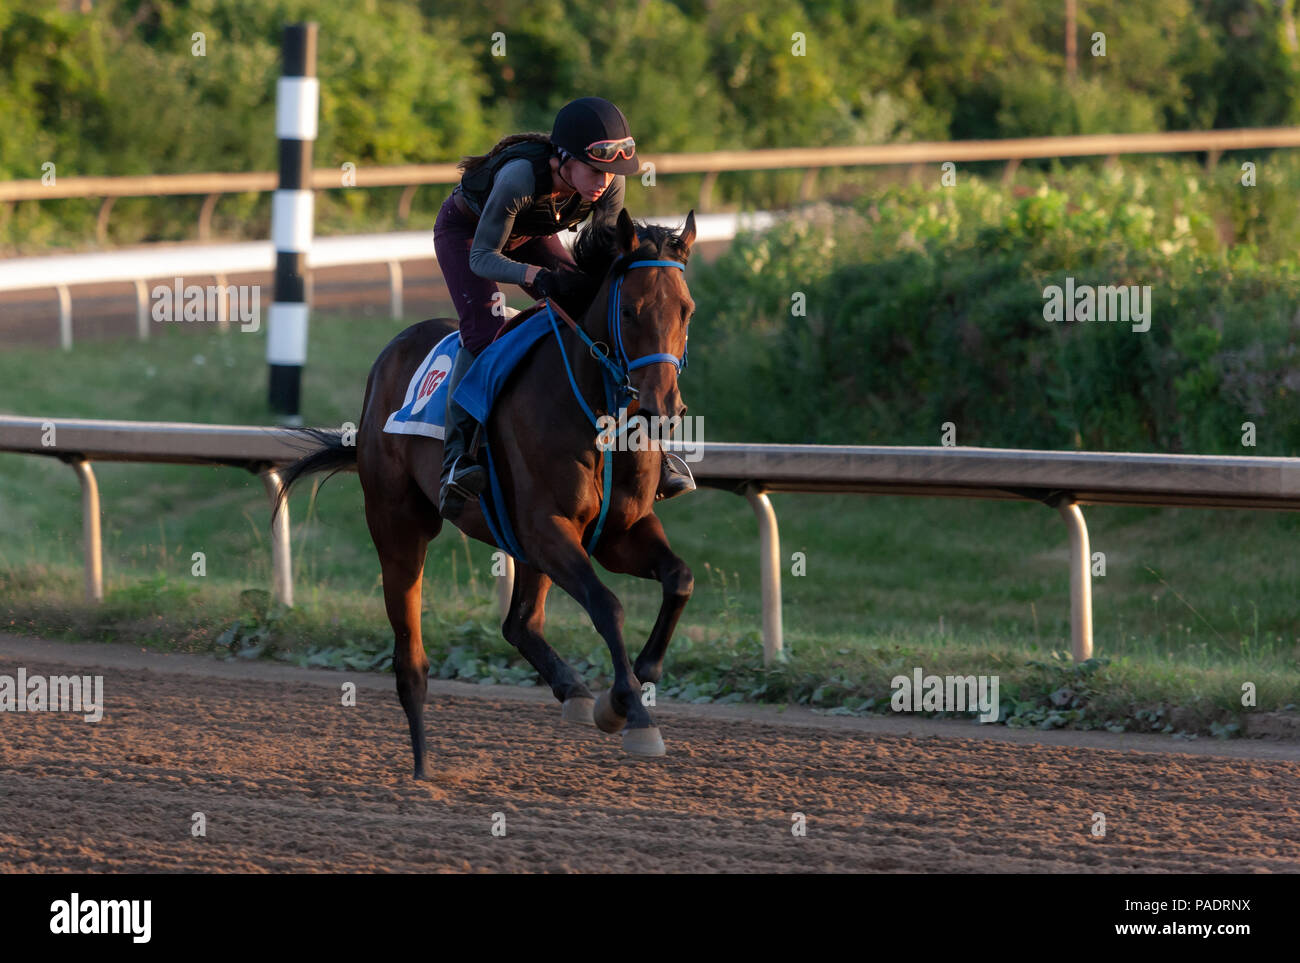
477, 393
424, 409
478, 390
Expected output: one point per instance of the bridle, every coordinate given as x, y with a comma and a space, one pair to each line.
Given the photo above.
615, 374
620, 369
615, 324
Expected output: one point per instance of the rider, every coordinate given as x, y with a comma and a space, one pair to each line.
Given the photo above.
517, 197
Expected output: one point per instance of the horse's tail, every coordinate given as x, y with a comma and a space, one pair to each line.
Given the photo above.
330, 454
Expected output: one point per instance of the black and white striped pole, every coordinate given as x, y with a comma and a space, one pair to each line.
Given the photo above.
297, 98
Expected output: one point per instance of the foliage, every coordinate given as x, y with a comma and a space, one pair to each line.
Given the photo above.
118, 89
926, 305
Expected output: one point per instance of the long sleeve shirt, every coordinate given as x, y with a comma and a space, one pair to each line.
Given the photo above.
513, 192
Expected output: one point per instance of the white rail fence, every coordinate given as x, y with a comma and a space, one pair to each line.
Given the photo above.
1061, 480
61, 273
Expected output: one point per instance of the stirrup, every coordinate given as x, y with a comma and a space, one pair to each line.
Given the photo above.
456, 492
675, 478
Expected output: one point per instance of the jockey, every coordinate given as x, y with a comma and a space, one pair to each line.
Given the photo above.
518, 197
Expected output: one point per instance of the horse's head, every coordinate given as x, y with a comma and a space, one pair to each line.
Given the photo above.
653, 311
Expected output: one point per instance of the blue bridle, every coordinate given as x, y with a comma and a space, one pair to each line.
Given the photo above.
616, 325
615, 376
621, 369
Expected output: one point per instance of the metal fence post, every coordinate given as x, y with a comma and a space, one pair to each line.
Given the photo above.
205, 216
65, 317
1080, 580
769, 556
281, 552
141, 309
395, 307
93, 545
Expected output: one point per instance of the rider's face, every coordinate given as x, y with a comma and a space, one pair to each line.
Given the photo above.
590, 183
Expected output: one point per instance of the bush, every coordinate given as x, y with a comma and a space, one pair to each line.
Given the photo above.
117, 89
924, 307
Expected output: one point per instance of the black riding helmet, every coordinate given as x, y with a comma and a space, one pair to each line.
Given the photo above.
595, 132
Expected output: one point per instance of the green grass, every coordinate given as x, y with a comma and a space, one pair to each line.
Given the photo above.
1193, 603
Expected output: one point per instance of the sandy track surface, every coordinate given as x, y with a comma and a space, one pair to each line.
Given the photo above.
290, 780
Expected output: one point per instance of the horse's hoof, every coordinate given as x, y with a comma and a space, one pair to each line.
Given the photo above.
579, 710
605, 716
644, 742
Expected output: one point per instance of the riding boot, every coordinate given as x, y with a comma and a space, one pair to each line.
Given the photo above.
463, 479
675, 478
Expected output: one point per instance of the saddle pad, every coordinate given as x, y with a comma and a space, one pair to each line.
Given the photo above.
424, 409
477, 393
478, 390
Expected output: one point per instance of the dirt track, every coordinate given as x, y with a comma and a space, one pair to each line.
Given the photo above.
289, 780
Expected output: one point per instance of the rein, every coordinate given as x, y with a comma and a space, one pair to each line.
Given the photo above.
620, 370
615, 375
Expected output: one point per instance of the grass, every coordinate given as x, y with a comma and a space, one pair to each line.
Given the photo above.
1193, 603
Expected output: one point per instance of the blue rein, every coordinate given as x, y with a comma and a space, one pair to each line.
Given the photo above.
615, 376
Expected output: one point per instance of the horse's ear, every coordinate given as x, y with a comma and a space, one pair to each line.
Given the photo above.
626, 231
687, 237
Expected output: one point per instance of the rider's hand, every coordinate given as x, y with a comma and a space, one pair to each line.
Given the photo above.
557, 284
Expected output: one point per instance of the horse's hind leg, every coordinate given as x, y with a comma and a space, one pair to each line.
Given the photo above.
644, 552
523, 629
401, 529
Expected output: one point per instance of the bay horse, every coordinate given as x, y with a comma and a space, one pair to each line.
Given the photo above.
551, 467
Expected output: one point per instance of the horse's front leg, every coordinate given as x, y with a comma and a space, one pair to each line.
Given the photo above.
559, 553
523, 627
643, 551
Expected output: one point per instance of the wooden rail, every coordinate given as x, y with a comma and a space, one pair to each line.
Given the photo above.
809, 159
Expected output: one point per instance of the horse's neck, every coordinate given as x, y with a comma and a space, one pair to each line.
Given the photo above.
595, 321
587, 371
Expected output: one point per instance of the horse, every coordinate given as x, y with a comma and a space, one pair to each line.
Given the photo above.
561, 483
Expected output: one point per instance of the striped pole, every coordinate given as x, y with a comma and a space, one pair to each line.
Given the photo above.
297, 96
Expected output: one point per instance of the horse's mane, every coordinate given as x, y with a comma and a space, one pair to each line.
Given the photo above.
596, 252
